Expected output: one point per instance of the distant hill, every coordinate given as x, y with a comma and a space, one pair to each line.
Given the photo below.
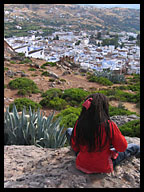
70, 17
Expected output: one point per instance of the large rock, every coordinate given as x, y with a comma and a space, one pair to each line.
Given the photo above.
11, 73
52, 74
122, 119
33, 167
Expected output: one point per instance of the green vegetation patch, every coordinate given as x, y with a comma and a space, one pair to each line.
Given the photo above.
58, 99
6, 68
110, 75
26, 60
121, 95
32, 69
101, 80
119, 111
74, 96
12, 62
53, 92
25, 84
45, 73
131, 128
53, 103
32, 128
20, 103
51, 64
69, 116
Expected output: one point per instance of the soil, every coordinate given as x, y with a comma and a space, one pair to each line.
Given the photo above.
72, 81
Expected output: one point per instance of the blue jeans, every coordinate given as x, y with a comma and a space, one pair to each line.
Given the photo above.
132, 149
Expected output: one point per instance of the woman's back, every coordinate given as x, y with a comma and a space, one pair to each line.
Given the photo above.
99, 160
94, 133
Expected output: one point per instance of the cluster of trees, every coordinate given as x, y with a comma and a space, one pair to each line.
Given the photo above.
112, 41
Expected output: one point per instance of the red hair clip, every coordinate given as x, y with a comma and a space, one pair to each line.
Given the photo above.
87, 103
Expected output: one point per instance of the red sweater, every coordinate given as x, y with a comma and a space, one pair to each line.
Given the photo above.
99, 162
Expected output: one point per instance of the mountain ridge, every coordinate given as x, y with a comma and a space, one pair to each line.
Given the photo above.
74, 17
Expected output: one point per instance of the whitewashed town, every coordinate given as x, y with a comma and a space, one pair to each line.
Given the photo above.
81, 49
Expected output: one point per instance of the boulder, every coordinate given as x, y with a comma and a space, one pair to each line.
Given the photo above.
24, 74
122, 119
82, 70
37, 66
67, 72
33, 167
11, 73
7, 58
52, 74
19, 58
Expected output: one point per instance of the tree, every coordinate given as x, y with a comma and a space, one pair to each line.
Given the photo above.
113, 41
98, 44
99, 35
138, 37
78, 42
131, 38
56, 37
122, 45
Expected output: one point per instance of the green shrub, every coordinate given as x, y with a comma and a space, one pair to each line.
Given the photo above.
6, 68
32, 69
12, 62
135, 78
134, 87
119, 111
24, 83
121, 95
55, 103
129, 97
74, 95
20, 103
53, 92
51, 80
111, 76
52, 64
45, 73
131, 128
23, 92
43, 67
101, 80
62, 80
34, 75
26, 60
69, 120
69, 116
21, 54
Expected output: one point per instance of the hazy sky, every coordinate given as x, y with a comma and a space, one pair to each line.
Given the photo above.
132, 6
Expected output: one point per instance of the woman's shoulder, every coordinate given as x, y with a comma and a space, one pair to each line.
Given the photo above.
112, 123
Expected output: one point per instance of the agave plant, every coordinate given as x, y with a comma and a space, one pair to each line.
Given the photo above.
115, 78
32, 129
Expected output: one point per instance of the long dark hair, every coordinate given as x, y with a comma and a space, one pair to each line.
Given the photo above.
88, 129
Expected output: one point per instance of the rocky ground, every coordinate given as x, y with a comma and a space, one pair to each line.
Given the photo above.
33, 167
72, 75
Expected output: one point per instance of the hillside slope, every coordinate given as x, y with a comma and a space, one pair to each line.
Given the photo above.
70, 17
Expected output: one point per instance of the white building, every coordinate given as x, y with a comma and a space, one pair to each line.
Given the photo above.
36, 54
